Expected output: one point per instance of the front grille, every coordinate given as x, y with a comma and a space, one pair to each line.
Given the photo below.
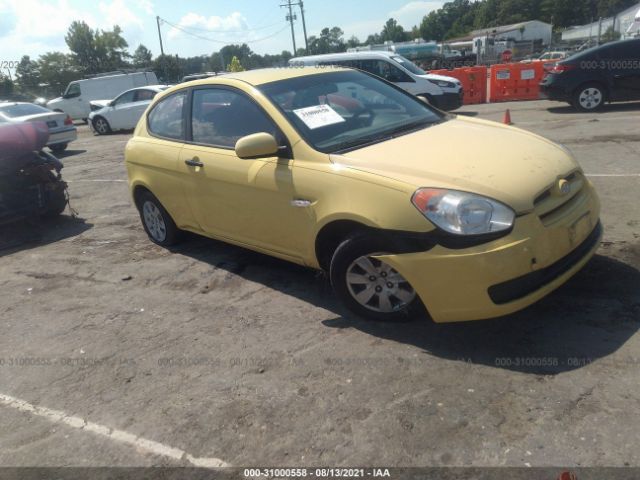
522, 286
551, 207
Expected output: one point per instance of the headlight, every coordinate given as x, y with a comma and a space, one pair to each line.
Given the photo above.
463, 213
443, 83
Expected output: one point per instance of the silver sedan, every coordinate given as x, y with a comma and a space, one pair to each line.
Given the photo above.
61, 128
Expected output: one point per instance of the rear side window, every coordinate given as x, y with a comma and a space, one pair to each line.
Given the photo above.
143, 95
622, 51
166, 118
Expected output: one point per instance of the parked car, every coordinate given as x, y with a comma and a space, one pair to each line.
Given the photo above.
546, 57
62, 131
589, 79
337, 169
75, 100
124, 112
441, 91
30, 180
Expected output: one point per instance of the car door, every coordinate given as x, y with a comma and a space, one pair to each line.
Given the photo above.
74, 105
247, 201
623, 62
160, 154
120, 110
132, 113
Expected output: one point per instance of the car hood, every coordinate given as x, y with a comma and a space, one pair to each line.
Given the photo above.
100, 103
433, 76
55, 101
487, 158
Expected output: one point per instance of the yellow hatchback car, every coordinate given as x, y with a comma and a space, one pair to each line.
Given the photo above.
339, 170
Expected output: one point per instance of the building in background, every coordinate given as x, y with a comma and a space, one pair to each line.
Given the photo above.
626, 24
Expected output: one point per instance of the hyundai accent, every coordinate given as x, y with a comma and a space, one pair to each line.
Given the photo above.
403, 205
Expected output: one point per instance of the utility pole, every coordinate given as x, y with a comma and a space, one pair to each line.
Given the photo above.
290, 18
159, 35
304, 27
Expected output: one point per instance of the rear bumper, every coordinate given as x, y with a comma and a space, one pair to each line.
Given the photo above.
554, 92
64, 136
508, 274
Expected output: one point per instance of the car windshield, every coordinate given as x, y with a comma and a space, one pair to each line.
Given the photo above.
349, 109
22, 109
409, 65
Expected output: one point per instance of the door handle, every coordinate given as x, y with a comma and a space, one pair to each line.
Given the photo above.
194, 162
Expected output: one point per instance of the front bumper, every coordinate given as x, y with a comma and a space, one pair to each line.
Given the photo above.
450, 100
508, 274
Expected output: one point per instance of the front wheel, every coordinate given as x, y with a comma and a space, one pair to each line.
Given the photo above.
368, 286
101, 126
589, 97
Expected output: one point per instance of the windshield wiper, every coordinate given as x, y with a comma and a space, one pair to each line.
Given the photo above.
408, 128
382, 136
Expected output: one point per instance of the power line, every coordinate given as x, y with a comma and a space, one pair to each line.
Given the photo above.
201, 37
198, 29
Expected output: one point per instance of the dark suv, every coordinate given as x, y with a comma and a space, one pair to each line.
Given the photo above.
609, 73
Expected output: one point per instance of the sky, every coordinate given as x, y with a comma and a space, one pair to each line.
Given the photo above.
34, 27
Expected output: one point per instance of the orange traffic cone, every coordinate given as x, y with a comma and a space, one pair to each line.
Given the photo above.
507, 118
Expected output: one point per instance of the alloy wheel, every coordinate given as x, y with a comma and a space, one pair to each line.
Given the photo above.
154, 221
101, 126
590, 98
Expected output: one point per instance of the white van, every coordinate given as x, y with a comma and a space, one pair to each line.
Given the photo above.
75, 100
442, 92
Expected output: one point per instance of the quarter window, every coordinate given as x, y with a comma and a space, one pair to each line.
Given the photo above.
166, 118
221, 117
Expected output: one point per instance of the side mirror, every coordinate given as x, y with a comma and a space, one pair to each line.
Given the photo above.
112, 103
257, 145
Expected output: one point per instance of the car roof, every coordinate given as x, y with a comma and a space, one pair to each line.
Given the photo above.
259, 76
159, 88
597, 48
348, 55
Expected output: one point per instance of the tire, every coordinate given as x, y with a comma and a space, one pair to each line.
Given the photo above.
101, 126
368, 287
59, 148
589, 97
156, 221
57, 203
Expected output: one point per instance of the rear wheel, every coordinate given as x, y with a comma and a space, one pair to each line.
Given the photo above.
58, 148
57, 203
156, 220
101, 126
589, 97
369, 286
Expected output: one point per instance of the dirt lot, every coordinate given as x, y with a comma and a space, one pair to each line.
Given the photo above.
114, 351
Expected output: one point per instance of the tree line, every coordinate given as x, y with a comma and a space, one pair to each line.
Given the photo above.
98, 51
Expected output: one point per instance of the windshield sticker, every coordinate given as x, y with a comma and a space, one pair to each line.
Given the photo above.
318, 116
